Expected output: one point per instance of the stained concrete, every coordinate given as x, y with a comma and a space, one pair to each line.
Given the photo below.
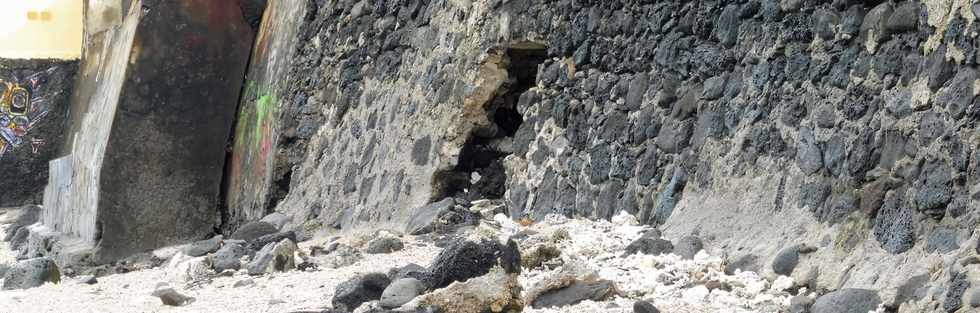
145, 166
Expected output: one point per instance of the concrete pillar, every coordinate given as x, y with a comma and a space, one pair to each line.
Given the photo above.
148, 137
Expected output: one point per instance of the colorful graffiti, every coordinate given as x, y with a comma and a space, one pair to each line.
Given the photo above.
21, 109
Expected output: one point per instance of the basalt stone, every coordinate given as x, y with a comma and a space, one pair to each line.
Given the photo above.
958, 284
726, 29
905, 18
814, 193
824, 22
253, 230
959, 92
400, 292
847, 301
931, 126
942, 240
258, 243
171, 297
384, 245
203, 247
786, 260
463, 260
670, 196
637, 88
644, 307
688, 246
577, 292
808, 154
31, 273
352, 293
936, 189
650, 246
893, 226
675, 135
938, 69
229, 256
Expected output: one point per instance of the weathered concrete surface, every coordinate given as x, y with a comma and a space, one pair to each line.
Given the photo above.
34, 100
253, 173
148, 151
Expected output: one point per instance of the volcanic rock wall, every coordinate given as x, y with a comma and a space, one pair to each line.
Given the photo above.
34, 96
846, 125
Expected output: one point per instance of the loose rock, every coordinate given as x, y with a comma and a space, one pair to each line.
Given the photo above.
575, 293
644, 307
354, 292
274, 258
688, 246
253, 230
203, 247
400, 292
847, 301
229, 257
384, 245
31, 273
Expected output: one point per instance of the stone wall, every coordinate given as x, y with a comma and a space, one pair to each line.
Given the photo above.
848, 125
34, 96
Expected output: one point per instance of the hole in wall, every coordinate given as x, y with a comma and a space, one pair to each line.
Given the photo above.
479, 172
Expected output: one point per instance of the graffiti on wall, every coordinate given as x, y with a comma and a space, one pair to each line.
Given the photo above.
22, 108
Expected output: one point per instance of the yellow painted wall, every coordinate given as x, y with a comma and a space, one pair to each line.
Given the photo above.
41, 29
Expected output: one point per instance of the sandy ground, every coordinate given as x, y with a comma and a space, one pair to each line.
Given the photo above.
667, 281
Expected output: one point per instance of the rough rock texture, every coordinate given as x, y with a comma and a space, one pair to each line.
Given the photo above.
150, 117
496, 291
31, 273
352, 293
847, 301
762, 124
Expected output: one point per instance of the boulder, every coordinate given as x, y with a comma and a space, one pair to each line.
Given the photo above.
253, 230
341, 256
400, 292
644, 307
384, 245
203, 247
31, 273
184, 268
229, 257
467, 259
274, 257
650, 245
352, 293
847, 301
497, 291
576, 292
688, 246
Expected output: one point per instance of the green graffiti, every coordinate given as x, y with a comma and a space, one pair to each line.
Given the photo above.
263, 111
